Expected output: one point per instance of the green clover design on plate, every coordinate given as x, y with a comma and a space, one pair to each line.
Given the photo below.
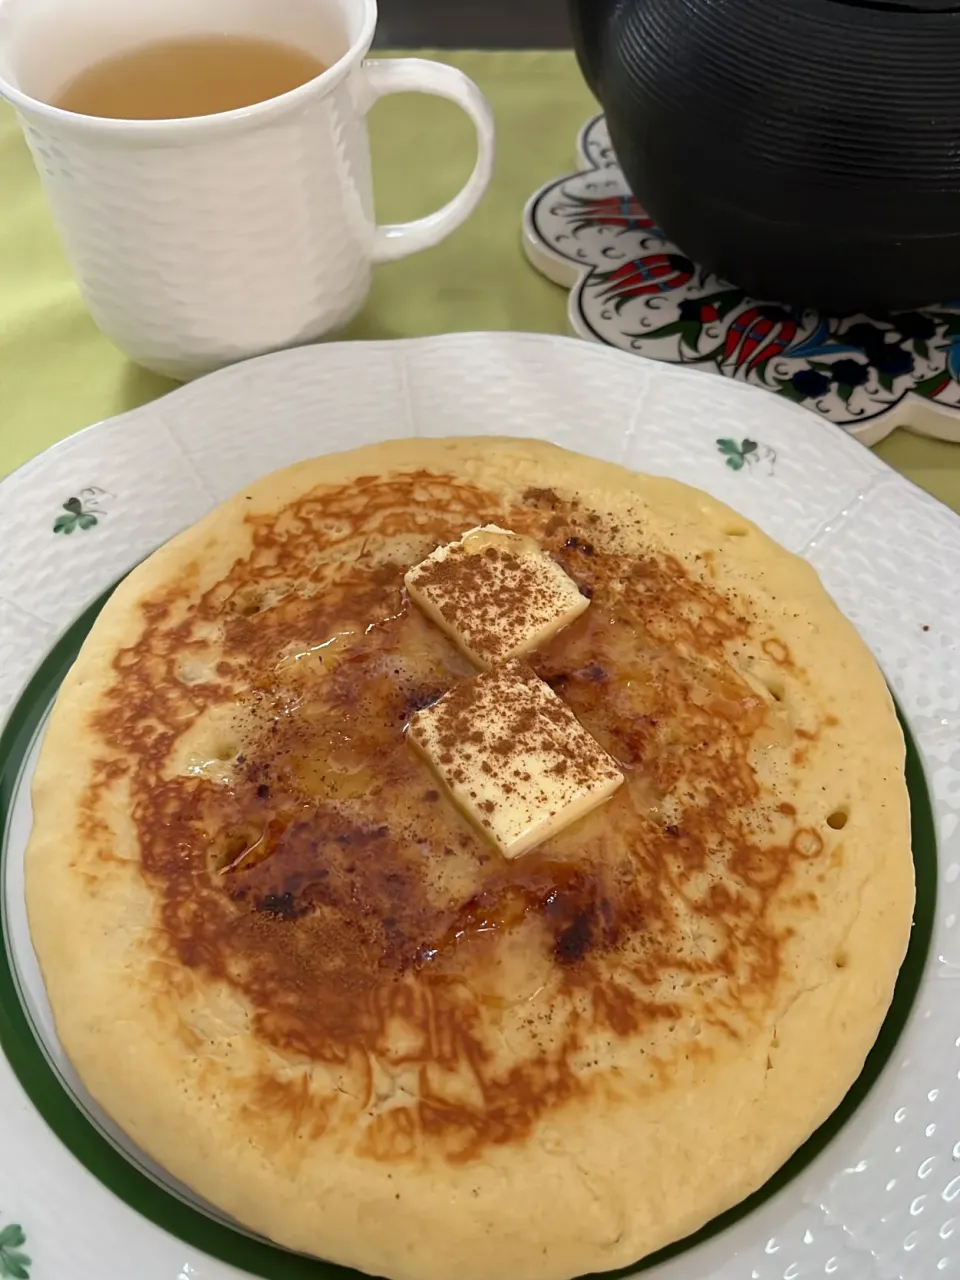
13, 1264
83, 511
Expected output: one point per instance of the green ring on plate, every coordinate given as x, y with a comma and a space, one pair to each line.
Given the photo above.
195, 1228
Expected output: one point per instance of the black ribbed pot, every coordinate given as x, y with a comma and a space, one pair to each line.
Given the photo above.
806, 150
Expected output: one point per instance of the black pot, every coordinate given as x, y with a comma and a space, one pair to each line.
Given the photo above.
806, 150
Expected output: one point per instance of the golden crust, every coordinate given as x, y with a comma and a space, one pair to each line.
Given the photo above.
755, 948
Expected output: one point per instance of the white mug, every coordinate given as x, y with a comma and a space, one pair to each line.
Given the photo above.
201, 241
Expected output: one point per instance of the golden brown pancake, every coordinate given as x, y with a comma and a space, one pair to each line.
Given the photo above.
288, 966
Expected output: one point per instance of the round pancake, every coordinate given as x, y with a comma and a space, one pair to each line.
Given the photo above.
291, 970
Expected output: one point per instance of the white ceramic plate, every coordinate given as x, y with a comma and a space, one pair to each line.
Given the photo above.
875, 1199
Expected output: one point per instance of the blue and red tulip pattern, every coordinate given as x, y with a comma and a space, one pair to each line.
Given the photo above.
644, 277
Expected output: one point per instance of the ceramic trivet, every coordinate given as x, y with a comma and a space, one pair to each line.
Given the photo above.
631, 288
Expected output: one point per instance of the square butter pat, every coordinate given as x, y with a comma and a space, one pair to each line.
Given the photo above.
495, 593
514, 757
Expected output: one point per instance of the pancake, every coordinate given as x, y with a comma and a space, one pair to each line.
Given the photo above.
296, 975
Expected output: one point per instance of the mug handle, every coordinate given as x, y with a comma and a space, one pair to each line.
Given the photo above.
418, 75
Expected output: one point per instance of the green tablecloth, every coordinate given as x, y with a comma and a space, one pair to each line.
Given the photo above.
58, 374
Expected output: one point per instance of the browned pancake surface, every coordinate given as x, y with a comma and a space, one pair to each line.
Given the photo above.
286, 964
334, 884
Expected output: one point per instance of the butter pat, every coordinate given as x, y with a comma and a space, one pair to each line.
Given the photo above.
495, 593
514, 757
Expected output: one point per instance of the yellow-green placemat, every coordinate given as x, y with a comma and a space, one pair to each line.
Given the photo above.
58, 374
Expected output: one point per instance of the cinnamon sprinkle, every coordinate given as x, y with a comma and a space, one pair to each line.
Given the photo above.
514, 757
497, 594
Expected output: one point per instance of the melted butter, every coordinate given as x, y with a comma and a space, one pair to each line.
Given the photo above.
208, 746
476, 541
327, 651
217, 771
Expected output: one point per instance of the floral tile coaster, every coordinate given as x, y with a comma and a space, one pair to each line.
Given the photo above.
631, 288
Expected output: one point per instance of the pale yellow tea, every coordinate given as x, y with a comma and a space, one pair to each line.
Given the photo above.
191, 76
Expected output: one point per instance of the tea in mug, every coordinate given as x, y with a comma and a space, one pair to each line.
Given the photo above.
190, 76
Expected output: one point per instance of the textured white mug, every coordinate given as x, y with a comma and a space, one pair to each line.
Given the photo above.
202, 241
